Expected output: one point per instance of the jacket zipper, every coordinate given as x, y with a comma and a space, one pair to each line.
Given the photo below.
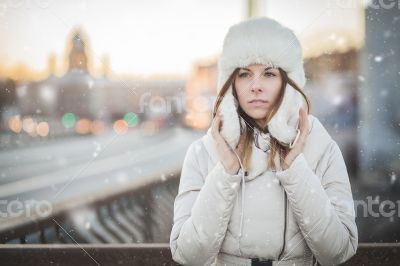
284, 229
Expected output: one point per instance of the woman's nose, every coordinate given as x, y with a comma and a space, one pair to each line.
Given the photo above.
255, 85
256, 89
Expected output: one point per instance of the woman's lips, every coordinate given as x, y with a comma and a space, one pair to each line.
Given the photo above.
258, 103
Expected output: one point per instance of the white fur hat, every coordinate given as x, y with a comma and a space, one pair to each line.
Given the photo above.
262, 40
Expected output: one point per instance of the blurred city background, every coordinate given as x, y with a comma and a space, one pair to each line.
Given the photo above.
99, 102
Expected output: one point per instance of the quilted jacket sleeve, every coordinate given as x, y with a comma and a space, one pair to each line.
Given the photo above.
323, 207
202, 210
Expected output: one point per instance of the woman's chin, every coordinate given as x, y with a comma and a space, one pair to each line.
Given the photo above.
256, 115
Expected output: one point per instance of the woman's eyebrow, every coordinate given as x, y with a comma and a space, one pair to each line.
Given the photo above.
267, 68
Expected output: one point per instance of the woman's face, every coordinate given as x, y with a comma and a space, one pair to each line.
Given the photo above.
257, 87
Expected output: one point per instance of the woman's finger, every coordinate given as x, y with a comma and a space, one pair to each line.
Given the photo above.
214, 125
216, 128
240, 144
215, 121
303, 123
240, 148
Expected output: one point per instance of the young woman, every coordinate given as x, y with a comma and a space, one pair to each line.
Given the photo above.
266, 185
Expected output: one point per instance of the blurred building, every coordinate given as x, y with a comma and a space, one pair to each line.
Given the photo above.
201, 90
91, 98
8, 101
379, 96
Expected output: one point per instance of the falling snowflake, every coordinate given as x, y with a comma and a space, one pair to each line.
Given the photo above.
87, 225
90, 84
393, 177
163, 178
378, 58
387, 34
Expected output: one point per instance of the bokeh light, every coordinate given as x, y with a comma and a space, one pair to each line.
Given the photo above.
68, 120
83, 126
120, 127
15, 124
131, 118
42, 129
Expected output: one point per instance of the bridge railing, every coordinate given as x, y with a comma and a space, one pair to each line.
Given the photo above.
382, 254
137, 212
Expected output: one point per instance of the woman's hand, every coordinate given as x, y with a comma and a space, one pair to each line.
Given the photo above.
304, 127
225, 153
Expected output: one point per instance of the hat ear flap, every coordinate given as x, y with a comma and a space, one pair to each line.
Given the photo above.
284, 123
230, 130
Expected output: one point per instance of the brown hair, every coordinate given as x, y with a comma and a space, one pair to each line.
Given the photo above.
275, 146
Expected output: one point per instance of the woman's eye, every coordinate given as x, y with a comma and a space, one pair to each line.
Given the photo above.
269, 74
246, 74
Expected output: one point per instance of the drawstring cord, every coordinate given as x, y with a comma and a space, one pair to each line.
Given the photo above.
243, 174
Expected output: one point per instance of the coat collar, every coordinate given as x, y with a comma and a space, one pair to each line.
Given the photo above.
316, 141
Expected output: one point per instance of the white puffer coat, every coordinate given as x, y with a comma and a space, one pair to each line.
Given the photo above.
216, 213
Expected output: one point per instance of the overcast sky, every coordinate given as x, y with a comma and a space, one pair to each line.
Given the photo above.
157, 36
